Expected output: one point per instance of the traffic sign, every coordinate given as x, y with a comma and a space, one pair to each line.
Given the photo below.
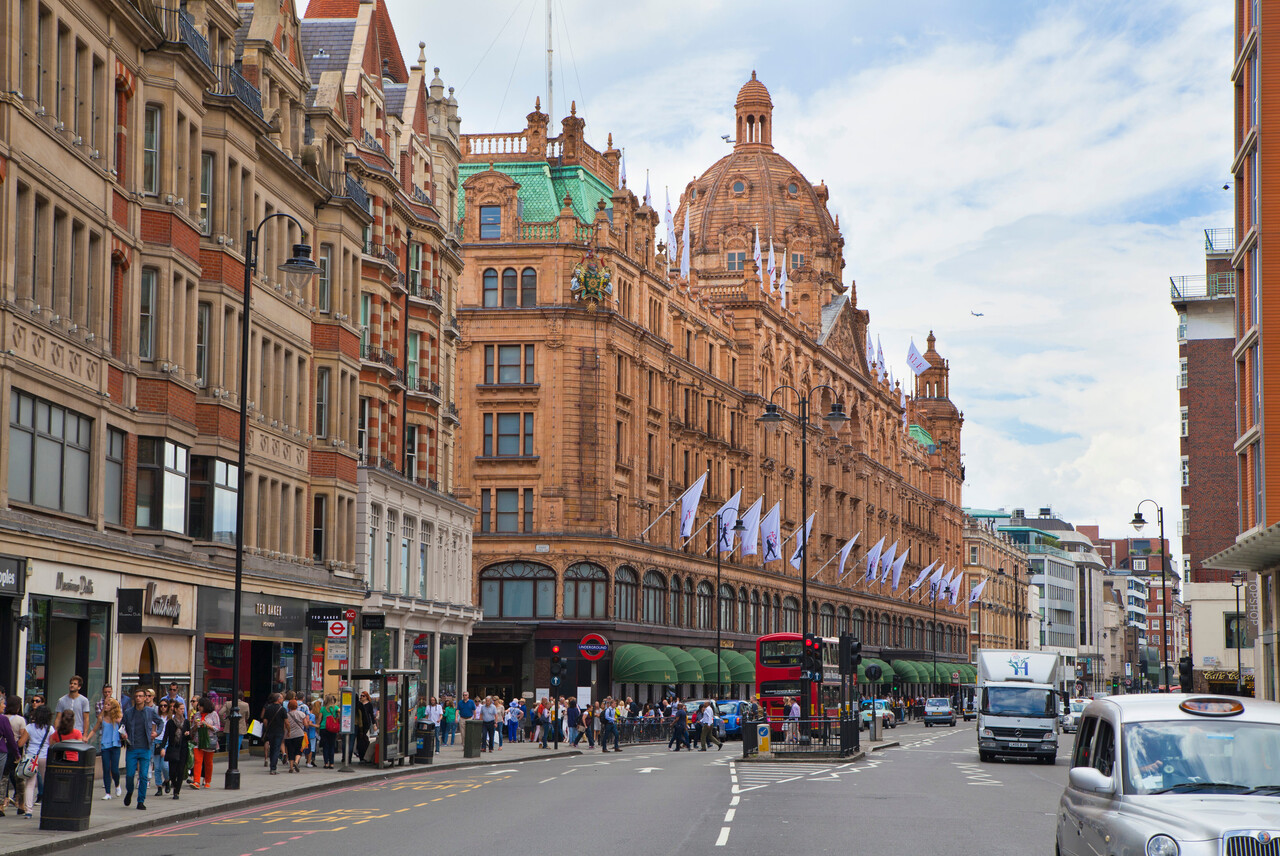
593, 646
337, 629
338, 649
955, 676
422, 646
350, 615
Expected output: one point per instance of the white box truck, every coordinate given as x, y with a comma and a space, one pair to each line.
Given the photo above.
1018, 704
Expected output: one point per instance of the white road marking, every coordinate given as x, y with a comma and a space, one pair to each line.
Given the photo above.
724, 836
647, 769
544, 781
728, 815
496, 772
734, 801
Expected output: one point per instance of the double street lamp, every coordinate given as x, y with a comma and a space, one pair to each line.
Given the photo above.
771, 419
1237, 580
721, 531
1166, 603
298, 271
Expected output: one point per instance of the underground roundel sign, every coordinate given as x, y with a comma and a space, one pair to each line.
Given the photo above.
593, 646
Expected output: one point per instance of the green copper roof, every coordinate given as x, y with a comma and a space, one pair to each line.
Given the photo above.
922, 436
543, 188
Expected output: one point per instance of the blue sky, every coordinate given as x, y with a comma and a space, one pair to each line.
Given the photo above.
1049, 164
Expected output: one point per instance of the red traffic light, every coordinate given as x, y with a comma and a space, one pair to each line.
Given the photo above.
555, 649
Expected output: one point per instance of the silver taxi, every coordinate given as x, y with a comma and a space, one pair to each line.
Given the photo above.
1173, 775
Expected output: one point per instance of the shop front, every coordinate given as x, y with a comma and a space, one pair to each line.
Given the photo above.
156, 627
13, 584
69, 616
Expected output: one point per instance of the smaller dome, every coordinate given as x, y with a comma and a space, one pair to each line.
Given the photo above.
753, 92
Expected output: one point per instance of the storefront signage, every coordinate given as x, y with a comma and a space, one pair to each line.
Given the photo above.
13, 575
79, 585
129, 610
593, 646
162, 605
260, 614
337, 629
373, 621
318, 617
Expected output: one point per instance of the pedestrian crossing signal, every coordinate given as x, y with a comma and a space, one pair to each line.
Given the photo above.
557, 665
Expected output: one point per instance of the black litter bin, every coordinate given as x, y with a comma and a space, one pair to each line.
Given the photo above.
472, 738
425, 733
68, 787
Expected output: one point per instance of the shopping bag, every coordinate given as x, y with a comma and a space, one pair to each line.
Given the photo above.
255, 728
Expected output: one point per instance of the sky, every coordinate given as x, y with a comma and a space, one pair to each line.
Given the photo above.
1046, 164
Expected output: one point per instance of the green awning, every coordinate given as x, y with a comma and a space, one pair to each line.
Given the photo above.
970, 673
641, 664
688, 670
741, 669
907, 671
886, 671
707, 660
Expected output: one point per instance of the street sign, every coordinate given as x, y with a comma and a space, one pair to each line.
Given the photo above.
373, 621
593, 646
955, 676
337, 629
422, 646
338, 649
1128, 670
350, 615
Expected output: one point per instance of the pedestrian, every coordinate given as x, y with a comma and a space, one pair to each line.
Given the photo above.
610, 726
597, 723
514, 713
8, 758
159, 771
174, 696
450, 716
76, 702
488, 713
574, 718
313, 736
792, 706
35, 745
708, 719
108, 733
140, 728
273, 724
177, 745
205, 732
366, 720
466, 707
680, 728
330, 724
295, 731
18, 724
224, 718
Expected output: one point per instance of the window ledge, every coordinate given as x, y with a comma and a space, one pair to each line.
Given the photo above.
490, 459
522, 387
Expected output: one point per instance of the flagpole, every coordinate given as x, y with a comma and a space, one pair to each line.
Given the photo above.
662, 515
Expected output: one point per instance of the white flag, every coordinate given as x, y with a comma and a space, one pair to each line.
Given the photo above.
782, 274
624, 167
726, 518
924, 572
684, 247
977, 592
844, 554
871, 354
955, 586
773, 267
897, 568
647, 201
945, 591
802, 543
771, 533
756, 256
873, 560
886, 562
916, 360
689, 505
751, 520
935, 580
671, 231
902, 399
884, 372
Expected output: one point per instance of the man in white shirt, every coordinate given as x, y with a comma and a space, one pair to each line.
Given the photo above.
708, 720
77, 703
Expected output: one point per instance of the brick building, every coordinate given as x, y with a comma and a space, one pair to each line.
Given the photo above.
594, 409
999, 618
163, 136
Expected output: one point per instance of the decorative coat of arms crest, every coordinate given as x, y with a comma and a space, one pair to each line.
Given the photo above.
592, 283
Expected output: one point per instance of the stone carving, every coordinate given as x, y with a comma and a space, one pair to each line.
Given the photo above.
67, 360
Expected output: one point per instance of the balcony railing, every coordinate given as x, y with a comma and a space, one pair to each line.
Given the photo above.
425, 385
1219, 241
451, 325
389, 256
344, 184
424, 292
180, 27
371, 142
232, 82
1202, 287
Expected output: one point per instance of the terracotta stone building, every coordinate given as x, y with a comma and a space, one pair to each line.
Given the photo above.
999, 618
591, 408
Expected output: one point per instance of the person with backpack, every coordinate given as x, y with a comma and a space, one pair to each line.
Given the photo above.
176, 745
330, 724
273, 717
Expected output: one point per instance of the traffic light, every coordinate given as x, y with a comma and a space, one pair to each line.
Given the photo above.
557, 665
807, 660
817, 658
1185, 675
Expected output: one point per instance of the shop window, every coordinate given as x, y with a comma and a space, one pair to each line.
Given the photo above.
48, 455
517, 590
585, 587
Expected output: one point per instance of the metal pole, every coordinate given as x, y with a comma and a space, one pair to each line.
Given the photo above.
719, 532
1166, 602
934, 638
231, 781
806, 684
1239, 670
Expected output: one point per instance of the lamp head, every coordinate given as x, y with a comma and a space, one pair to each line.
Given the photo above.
836, 417
299, 269
771, 418
1237, 578
1137, 522
739, 526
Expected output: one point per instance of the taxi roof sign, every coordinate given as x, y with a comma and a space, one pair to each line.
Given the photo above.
1212, 706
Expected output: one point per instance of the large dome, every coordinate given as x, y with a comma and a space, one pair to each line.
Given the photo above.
755, 188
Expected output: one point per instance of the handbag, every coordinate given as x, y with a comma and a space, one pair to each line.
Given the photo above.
255, 728
31, 766
331, 724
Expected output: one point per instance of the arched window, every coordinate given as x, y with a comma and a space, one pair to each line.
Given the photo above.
726, 607
743, 619
813, 617
509, 295
705, 594
928, 636
884, 631
655, 591
490, 287
674, 612
755, 613
908, 636
528, 287
518, 590
920, 634
627, 587
790, 615
776, 626
585, 588
859, 618
827, 620
963, 639
690, 617
842, 619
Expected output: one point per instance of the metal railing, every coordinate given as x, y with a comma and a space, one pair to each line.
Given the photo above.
370, 141
430, 387
232, 82
180, 27
344, 184
1219, 241
1202, 287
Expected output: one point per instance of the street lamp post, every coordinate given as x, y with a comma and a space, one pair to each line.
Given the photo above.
720, 538
1165, 602
1237, 580
298, 270
771, 419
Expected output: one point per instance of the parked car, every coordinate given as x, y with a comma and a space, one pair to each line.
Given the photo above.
733, 713
882, 710
692, 707
1071, 719
938, 711
1172, 775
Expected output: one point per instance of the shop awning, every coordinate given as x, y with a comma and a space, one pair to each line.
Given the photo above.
741, 670
688, 670
642, 664
707, 660
968, 673
886, 671
907, 671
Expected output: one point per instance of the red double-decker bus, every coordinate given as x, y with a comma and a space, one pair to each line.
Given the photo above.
778, 658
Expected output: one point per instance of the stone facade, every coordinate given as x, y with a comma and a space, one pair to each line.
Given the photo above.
593, 411
999, 618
